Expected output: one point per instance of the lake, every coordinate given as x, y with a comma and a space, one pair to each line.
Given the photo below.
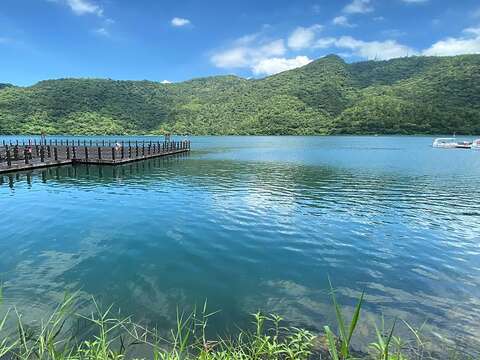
256, 223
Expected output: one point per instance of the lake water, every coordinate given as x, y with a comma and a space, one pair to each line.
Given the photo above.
255, 223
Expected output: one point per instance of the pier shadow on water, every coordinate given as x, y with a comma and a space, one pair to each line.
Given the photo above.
246, 236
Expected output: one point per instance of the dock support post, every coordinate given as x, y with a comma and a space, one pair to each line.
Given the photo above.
42, 154
25, 155
113, 153
55, 153
86, 154
74, 152
68, 152
99, 153
122, 151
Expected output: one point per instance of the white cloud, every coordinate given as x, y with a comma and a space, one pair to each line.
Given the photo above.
102, 32
276, 65
248, 51
179, 22
379, 50
324, 43
231, 58
467, 44
84, 7
358, 7
273, 48
472, 31
342, 21
166, 82
302, 37
262, 57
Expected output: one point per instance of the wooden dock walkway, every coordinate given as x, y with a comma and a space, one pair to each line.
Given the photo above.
20, 156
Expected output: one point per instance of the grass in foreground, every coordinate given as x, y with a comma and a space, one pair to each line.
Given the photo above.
110, 338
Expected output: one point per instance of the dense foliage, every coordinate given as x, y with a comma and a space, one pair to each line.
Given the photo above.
402, 96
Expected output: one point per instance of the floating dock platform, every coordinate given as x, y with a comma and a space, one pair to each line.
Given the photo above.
21, 156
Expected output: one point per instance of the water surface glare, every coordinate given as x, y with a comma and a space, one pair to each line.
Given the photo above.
255, 223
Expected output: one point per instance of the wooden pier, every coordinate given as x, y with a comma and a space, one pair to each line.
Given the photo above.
19, 156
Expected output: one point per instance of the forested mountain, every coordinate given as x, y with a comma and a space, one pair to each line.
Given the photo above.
328, 96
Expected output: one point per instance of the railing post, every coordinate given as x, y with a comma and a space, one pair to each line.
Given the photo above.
9, 159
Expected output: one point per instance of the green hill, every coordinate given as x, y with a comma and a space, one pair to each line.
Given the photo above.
328, 96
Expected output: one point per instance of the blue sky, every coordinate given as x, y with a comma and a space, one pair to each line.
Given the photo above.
179, 40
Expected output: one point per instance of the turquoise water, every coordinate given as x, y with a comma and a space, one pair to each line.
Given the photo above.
255, 223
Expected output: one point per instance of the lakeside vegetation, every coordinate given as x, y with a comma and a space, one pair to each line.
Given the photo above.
414, 95
106, 337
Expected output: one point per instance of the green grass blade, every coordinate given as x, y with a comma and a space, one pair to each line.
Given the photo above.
355, 317
332, 346
338, 313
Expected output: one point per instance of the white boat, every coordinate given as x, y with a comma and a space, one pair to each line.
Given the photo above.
476, 144
445, 143
451, 143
